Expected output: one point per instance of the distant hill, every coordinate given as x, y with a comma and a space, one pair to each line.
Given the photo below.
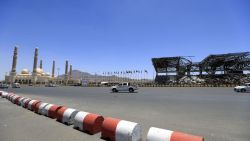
77, 74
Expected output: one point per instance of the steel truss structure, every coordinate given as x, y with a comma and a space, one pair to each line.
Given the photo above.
215, 66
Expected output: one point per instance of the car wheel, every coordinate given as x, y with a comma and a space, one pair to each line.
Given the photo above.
243, 90
131, 90
114, 90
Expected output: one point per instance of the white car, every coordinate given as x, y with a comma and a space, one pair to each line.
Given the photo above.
243, 88
16, 85
124, 87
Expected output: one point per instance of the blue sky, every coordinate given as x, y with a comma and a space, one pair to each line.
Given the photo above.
113, 35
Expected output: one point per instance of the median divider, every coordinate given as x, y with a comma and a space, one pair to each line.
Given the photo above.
41, 108
111, 129
26, 103
45, 110
30, 107
88, 122
52, 112
66, 115
157, 134
16, 100
4, 94
120, 130
20, 100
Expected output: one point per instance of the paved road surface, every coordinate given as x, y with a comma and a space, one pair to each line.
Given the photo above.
218, 114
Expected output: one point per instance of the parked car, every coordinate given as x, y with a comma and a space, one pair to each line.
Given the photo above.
4, 86
126, 86
16, 85
243, 88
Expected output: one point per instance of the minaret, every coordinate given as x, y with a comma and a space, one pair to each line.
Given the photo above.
66, 72
14, 61
13, 69
70, 72
41, 64
35, 66
35, 61
53, 69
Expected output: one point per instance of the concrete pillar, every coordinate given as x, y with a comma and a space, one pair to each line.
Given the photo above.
70, 72
41, 64
53, 69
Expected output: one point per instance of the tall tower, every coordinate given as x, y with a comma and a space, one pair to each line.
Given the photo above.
13, 69
53, 69
41, 64
70, 72
35, 61
66, 72
35, 66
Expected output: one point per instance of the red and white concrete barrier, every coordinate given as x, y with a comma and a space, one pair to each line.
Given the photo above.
10, 96
52, 111
4, 94
157, 134
35, 106
26, 103
13, 97
45, 110
88, 122
120, 130
16, 101
20, 101
31, 103
41, 108
66, 115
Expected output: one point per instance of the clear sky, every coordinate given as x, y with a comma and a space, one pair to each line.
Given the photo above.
114, 35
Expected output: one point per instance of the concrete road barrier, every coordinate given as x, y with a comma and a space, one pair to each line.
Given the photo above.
157, 134
4, 94
66, 115
26, 103
15, 98
10, 96
16, 101
120, 130
41, 108
52, 112
35, 106
20, 100
88, 122
45, 110
31, 103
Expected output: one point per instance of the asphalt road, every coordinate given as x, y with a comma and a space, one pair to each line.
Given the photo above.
218, 114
